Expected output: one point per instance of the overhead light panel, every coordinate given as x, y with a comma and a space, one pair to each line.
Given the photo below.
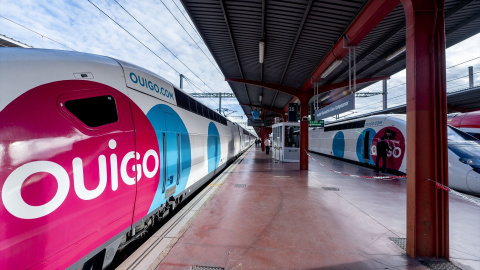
331, 68
396, 53
260, 98
261, 47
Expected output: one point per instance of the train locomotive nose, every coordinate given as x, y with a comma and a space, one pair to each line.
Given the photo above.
473, 181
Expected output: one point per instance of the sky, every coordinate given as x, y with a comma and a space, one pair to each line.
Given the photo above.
162, 38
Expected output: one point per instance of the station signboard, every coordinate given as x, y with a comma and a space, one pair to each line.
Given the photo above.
255, 123
340, 106
318, 123
292, 112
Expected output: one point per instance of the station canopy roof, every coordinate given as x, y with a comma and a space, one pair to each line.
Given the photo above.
9, 42
304, 37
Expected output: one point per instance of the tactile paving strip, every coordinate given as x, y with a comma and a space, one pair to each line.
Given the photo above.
434, 264
401, 242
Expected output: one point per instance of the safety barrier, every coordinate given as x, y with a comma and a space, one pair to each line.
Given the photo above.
358, 176
466, 197
437, 185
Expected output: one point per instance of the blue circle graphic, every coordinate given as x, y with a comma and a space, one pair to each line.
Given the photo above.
338, 145
213, 146
175, 160
361, 144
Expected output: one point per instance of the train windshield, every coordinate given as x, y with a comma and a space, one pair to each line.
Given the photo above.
457, 135
466, 147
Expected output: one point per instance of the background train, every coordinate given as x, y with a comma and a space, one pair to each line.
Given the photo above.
466, 122
356, 140
92, 151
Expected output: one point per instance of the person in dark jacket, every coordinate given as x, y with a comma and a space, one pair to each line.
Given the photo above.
382, 147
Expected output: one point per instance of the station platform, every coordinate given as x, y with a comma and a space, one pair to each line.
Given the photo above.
267, 215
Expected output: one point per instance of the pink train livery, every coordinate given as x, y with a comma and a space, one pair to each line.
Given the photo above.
93, 150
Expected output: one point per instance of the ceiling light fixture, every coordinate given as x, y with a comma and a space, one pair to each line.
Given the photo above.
331, 68
260, 98
396, 53
261, 47
324, 98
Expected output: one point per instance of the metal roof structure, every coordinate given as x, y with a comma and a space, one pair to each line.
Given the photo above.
303, 37
463, 101
8, 42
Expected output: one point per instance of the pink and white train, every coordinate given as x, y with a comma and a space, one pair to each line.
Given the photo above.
356, 140
92, 151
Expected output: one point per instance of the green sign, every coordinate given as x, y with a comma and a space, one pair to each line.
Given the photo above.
319, 123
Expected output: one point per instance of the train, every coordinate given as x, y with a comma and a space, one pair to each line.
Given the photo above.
93, 151
355, 140
466, 122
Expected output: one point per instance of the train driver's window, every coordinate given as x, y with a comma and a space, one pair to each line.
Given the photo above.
94, 111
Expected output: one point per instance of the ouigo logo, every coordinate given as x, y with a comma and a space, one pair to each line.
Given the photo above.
150, 85
16, 205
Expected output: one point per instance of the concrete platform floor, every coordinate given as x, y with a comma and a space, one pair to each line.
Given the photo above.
284, 219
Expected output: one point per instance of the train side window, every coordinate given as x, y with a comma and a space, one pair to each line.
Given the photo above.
200, 108
206, 112
182, 99
476, 135
94, 111
193, 105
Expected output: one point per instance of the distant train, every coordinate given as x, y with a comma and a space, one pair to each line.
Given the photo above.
93, 151
356, 140
466, 122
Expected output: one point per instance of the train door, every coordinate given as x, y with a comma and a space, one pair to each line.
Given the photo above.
366, 147
171, 146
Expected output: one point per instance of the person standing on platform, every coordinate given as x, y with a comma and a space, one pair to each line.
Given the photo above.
382, 147
267, 146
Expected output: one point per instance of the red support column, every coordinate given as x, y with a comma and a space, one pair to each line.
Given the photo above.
263, 139
303, 136
427, 156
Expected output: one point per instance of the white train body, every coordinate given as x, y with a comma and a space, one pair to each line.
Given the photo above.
92, 150
356, 140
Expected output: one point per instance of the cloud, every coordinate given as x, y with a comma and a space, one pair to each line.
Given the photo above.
81, 26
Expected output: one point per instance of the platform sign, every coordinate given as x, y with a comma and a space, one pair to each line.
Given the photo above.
340, 106
318, 123
292, 112
255, 123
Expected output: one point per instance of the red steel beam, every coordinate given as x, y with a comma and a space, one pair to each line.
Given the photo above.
427, 152
370, 16
303, 136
